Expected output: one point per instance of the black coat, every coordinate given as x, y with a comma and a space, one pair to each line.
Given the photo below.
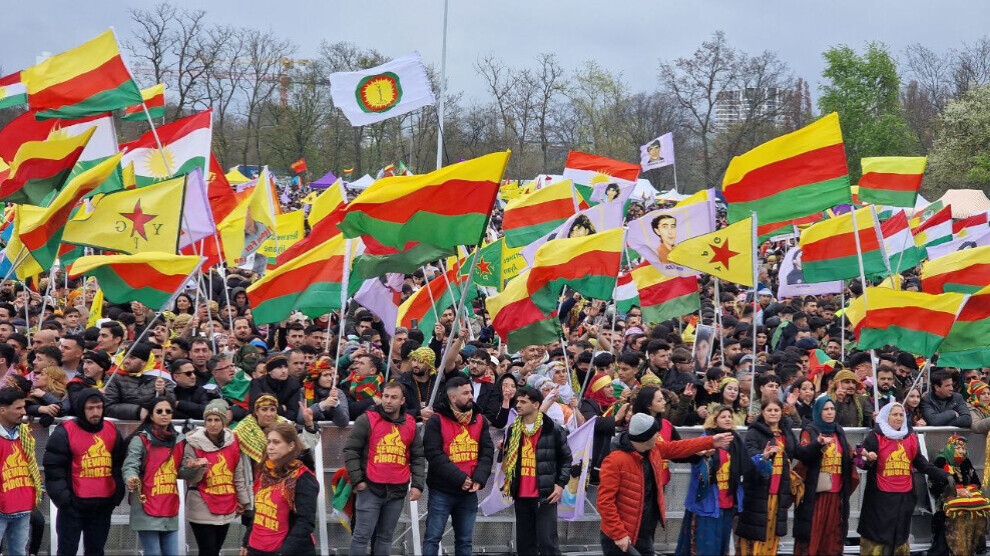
57, 462
190, 402
604, 432
756, 488
553, 459
809, 452
886, 516
444, 475
288, 392
302, 521
489, 400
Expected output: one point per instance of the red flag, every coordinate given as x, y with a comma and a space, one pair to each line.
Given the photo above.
299, 166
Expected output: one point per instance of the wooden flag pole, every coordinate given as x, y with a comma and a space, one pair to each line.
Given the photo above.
862, 278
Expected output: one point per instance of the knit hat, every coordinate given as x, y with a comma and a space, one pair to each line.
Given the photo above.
99, 357
844, 375
642, 427
276, 362
426, 356
218, 408
142, 351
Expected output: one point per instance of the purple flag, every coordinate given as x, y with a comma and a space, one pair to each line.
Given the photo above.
654, 235
571, 507
382, 296
197, 217
601, 217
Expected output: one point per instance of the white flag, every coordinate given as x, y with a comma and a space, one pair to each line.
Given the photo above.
379, 93
657, 153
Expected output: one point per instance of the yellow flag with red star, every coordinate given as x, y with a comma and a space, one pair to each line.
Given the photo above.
725, 253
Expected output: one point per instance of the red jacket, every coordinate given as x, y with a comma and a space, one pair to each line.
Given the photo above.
620, 493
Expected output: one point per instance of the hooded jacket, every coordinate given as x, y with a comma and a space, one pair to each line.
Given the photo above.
57, 461
126, 394
288, 392
196, 509
444, 475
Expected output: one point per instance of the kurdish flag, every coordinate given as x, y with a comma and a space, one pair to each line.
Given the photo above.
790, 177
966, 271
151, 278
153, 98
588, 170
968, 344
517, 320
89, 79
39, 230
660, 297
12, 91
828, 249
935, 230
912, 321
974, 226
445, 208
310, 283
40, 168
531, 217
892, 180
432, 299
185, 146
588, 264
326, 203
899, 244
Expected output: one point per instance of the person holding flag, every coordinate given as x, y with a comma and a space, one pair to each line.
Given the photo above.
459, 450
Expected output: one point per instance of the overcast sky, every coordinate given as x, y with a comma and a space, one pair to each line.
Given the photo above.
624, 36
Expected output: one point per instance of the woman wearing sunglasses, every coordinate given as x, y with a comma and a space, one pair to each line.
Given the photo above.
151, 468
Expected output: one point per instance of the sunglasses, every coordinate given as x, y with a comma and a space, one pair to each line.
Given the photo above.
185, 373
165, 411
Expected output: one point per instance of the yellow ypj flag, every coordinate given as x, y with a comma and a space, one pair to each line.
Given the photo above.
726, 253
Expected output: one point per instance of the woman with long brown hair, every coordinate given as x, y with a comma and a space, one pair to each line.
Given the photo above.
285, 498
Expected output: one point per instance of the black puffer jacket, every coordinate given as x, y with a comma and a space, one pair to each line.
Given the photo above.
444, 475
809, 452
756, 488
57, 461
553, 459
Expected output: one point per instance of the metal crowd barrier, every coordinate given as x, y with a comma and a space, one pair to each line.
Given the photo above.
496, 533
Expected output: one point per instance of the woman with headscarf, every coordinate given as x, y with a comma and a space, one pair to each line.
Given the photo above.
960, 520
728, 395
218, 488
713, 494
979, 406
767, 486
598, 402
821, 519
889, 453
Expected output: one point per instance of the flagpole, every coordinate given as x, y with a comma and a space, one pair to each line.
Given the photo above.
862, 278
18, 259
147, 328
675, 167
429, 291
756, 285
842, 328
718, 321
443, 87
343, 311
883, 247
460, 307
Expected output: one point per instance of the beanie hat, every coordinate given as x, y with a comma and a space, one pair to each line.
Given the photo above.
276, 362
642, 427
142, 351
99, 357
807, 343
218, 408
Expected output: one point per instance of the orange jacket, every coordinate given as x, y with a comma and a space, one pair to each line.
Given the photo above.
620, 493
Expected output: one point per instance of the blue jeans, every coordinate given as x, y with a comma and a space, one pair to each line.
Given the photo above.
159, 543
15, 528
378, 516
462, 510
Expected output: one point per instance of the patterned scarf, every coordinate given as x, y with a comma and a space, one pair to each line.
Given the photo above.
284, 477
27, 444
975, 388
952, 461
364, 388
463, 417
512, 454
249, 433
312, 378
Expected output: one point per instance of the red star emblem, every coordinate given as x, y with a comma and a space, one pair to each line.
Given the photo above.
138, 218
722, 253
484, 267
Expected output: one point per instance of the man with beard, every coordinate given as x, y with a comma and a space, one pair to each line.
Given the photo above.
83, 462
459, 450
418, 384
178, 348
482, 388
886, 385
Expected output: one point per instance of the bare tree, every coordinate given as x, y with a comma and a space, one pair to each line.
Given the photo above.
265, 53
152, 45
551, 83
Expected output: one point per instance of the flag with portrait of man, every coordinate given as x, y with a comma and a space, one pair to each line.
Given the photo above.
654, 235
657, 153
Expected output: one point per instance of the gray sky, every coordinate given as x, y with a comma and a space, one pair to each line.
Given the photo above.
624, 36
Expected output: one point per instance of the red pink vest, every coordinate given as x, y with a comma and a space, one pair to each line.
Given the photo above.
161, 470
894, 459
389, 449
17, 490
92, 460
271, 515
217, 487
666, 432
460, 443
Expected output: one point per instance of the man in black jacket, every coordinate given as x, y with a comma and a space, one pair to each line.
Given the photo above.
537, 465
82, 465
942, 407
190, 398
485, 396
459, 450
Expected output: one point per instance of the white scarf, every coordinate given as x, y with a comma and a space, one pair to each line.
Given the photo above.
885, 427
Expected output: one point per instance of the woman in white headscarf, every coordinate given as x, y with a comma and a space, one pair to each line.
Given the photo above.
889, 455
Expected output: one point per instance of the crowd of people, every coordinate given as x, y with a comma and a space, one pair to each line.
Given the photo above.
774, 398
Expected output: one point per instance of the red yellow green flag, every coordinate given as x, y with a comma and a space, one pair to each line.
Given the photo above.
790, 177
430, 300
517, 320
533, 216
151, 278
892, 180
968, 344
659, 297
912, 321
587, 264
154, 100
41, 167
828, 248
966, 271
87, 80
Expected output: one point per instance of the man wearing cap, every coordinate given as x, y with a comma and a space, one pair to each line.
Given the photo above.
631, 494
851, 408
419, 383
129, 390
905, 367
95, 364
